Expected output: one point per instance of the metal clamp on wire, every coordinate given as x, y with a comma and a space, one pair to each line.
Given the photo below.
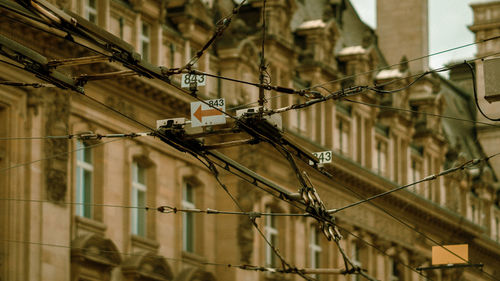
89, 135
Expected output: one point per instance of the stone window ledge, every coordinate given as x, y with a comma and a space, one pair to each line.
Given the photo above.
143, 243
89, 226
193, 258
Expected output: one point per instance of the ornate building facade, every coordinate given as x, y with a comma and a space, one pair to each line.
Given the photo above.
67, 206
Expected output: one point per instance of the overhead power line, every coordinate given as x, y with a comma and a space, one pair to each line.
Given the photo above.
463, 166
170, 210
421, 113
403, 62
162, 209
23, 84
83, 136
475, 94
156, 75
221, 25
55, 155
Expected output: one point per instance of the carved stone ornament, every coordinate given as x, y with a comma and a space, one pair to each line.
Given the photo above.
195, 274
146, 265
57, 115
95, 249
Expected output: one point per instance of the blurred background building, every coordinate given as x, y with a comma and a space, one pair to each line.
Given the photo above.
63, 203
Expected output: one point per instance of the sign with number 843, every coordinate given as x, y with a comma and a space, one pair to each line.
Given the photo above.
188, 79
323, 156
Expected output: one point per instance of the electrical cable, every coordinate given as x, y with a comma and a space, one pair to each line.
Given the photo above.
23, 84
262, 66
56, 155
402, 62
214, 171
421, 112
399, 220
169, 210
165, 209
222, 24
228, 265
289, 202
384, 253
463, 166
82, 136
415, 230
475, 93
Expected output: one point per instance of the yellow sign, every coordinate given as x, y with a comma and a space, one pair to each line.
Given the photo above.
454, 254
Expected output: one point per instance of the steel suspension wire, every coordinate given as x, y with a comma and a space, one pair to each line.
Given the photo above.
221, 25
463, 166
214, 171
82, 136
56, 155
408, 226
475, 94
402, 62
292, 203
421, 113
384, 253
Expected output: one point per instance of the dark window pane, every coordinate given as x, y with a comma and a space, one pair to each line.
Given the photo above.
87, 193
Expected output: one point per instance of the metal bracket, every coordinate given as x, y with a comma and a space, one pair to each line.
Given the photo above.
172, 122
77, 61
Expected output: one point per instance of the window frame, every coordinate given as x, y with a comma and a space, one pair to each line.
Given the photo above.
272, 235
415, 174
356, 259
83, 207
188, 239
342, 140
315, 248
138, 213
394, 270
145, 41
89, 11
380, 166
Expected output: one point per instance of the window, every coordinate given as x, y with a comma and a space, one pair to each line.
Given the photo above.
474, 208
496, 227
315, 249
380, 158
271, 236
394, 272
145, 41
188, 199
84, 170
298, 118
355, 259
139, 189
414, 175
91, 10
341, 143
473, 212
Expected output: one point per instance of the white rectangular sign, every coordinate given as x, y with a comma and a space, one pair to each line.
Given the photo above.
203, 114
188, 79
324, 156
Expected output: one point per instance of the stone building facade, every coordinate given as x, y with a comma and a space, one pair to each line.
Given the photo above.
486, 25
47, 234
